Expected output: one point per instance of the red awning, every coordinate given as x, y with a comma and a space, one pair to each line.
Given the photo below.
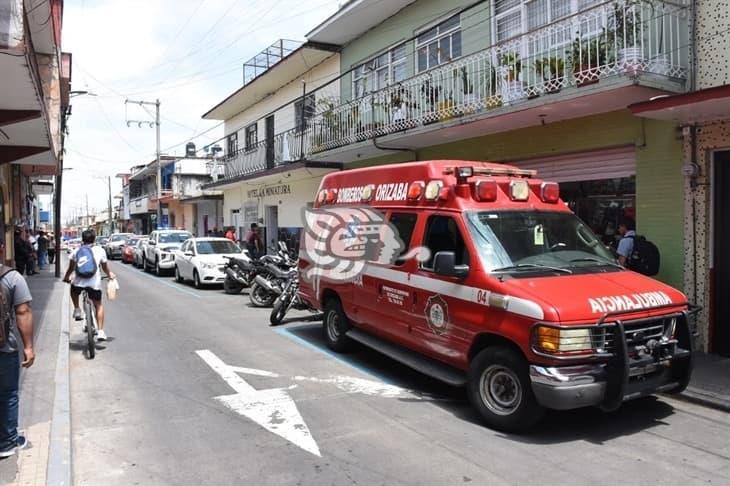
701, 106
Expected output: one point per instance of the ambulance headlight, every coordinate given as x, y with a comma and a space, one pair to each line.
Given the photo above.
519, 190
433, 189
555, 340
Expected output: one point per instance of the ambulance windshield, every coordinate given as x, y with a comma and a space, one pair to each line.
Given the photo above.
535, 241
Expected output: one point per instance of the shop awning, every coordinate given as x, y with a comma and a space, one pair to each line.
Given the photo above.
701, 106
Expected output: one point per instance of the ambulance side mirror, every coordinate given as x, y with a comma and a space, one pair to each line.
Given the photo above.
444, 263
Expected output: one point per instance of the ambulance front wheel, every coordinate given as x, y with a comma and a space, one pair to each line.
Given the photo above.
500, 389
336, 324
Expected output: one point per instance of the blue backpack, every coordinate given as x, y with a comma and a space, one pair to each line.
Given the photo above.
85, 263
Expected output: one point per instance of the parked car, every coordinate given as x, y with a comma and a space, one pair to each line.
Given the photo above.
202, 260
139, 251
72, 245
102, 241
115, 244
159, 252
128, 249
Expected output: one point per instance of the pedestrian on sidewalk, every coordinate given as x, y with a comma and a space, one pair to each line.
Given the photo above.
627, 230
42, 243
51, 248
231, 234
15, 316
89, 280
21, 251
254, 245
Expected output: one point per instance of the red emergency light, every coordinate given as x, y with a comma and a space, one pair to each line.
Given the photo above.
486, 190
331, 196
550, 192
415, 190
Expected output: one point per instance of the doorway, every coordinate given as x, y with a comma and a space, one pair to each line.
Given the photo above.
720, 330
269, 125
271, 213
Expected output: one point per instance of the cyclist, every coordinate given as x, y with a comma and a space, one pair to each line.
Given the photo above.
89, 280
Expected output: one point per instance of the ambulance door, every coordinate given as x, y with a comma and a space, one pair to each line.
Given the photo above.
393, 298
442, 312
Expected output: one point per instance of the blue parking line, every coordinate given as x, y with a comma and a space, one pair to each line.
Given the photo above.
286, 332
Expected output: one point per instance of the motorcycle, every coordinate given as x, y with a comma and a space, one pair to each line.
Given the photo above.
272, 274
290, 299
240, 273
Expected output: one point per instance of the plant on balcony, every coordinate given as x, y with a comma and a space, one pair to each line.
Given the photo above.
327, 128
430, 95
588, 56
510, 66
398, 104
551, 70
493, 99
470, 100
626, 32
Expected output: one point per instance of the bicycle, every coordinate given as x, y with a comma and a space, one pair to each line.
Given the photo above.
91, 327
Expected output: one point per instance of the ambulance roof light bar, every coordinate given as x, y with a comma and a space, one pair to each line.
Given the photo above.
490, 171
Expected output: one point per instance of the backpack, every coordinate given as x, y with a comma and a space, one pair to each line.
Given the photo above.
645, 257
86, 266
5, 308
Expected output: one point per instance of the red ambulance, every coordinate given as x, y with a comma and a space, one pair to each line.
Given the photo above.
516, 299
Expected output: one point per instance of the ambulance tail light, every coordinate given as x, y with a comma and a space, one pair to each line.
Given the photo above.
519, 190
433, 190
415, 190
550, 192
486, 190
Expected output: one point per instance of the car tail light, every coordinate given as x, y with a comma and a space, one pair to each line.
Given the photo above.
486, 190
415, 190
519, 190
433, 190
550, 192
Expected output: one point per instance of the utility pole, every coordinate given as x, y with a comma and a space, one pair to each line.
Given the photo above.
88, 219
156, 124
111, 223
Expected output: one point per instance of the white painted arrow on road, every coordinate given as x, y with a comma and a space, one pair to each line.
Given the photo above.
272, 409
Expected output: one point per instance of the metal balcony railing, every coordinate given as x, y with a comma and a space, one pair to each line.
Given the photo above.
611, 39
285, 148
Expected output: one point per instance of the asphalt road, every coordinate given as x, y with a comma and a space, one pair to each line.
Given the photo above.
195, 388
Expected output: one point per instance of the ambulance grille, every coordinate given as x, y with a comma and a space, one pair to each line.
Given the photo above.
637, 334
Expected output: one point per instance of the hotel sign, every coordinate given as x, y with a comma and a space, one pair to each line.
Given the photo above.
279, 190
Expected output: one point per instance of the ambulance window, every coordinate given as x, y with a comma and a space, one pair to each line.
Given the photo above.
442, 234
404, 224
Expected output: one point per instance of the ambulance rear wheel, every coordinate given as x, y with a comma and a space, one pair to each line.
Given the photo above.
500, 389
336, 324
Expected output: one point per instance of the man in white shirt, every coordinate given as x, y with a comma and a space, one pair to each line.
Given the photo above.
627, 230
91, 284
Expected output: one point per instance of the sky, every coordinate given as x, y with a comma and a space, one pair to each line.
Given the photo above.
187, 53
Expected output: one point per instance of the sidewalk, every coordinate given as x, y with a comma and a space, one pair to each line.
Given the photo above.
710, 383
38, 385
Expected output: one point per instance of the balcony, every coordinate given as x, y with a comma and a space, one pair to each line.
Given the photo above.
608, 56
285, 148
142, 205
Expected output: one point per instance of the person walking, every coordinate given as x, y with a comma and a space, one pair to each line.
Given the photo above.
21, 251
231, 234
16, 316
30, 243
254, 245
42, 243
51, 248
627, 230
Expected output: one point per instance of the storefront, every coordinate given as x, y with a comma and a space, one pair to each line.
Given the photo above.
274, 202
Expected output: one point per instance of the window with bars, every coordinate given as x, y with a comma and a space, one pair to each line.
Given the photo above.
232, 142
439, 44
379, 72
304, 109
251, 136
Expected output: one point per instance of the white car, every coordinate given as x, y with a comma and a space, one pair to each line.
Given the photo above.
114, 245
139, 251
159, 252
202, 260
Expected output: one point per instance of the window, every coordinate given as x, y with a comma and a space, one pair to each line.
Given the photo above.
232, 143
439, 44
515, 17
442, 234
251, 136
379, 72
404, 224
304, 109
216, 247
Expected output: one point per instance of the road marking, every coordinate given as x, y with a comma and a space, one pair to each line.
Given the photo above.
350, 384
272, 409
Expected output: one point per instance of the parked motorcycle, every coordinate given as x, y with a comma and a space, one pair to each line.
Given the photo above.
271, 277
290, 299
240, 272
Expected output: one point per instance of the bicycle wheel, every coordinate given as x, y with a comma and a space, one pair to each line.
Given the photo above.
90, 328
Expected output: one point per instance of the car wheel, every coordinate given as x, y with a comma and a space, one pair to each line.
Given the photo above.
145, 265
500, 389
158, 270
336, 324
196, 280
178, 277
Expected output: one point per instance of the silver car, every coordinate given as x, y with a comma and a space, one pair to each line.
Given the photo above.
114, 246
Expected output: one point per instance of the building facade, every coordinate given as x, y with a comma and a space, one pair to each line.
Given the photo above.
267, 179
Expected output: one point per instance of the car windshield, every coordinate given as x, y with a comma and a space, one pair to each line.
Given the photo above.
216, 247
132, 241
174, 237
519, 242
119, 237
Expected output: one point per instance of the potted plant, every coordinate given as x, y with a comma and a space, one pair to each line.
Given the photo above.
470, 99
551, 70
494, 98
510, 67
587, 57
430, 95
628, 30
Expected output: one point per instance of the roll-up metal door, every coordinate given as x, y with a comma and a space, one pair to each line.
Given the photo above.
586, 166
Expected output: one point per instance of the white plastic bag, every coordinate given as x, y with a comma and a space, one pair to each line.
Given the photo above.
111, 289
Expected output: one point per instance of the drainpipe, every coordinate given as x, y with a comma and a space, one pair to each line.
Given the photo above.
693, 50
693, 188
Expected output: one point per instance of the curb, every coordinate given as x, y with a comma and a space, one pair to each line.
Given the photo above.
59, 455
706, 399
